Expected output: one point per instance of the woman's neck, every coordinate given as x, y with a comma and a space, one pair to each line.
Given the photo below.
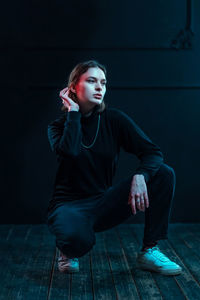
89, 112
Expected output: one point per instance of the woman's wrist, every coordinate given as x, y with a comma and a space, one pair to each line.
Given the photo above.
73, 109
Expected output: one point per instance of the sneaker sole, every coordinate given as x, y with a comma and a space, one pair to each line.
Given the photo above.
68, 270
158, 270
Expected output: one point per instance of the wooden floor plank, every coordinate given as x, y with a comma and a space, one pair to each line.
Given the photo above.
146, 286
60, 283
123, 280
103, 285
11, 260
191, 260
185, 280
167, 284
72, 286
189, 237
193, 227
5, 231
82, 284
28, 264
39, 265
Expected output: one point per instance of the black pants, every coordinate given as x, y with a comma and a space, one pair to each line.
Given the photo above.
74, 223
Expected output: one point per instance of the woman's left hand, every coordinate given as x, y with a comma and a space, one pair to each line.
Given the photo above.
138, 193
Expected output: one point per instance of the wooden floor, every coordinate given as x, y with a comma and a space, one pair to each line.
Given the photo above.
28, 265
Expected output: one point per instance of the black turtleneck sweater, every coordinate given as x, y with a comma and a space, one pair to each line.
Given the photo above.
86, 172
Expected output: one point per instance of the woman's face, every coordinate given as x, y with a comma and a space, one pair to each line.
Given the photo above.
90, 83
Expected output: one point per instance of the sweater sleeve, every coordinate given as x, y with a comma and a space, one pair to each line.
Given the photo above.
65, 134
133, 140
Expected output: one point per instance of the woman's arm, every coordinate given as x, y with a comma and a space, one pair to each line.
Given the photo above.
65, 134
133, 140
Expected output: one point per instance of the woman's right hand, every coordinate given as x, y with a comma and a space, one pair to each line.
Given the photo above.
68, 102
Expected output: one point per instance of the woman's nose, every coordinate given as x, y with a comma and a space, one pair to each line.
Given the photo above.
98, 87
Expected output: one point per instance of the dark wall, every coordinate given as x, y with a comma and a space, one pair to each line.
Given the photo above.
152, 54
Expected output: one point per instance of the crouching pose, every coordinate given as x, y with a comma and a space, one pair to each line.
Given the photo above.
86, 139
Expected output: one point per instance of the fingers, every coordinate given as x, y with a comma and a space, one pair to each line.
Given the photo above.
138, 200
133, 207
129, 198
64, 92
64, 96
65, 89
146, 199
131, 201
64, 101
142, 207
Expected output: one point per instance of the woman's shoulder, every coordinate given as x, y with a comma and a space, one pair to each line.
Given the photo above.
116, 113
120, 117
59, 120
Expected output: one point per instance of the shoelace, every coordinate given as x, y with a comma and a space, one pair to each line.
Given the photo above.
75, 259
61, 259
158, 254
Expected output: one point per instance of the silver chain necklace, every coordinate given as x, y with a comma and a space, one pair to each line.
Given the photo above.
95, 136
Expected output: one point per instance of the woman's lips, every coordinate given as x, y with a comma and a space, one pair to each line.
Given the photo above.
97, 96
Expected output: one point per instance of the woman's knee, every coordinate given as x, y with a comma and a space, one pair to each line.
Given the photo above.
77, 242
167, 172
76, 236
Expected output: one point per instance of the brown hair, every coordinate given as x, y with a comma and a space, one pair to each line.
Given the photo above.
74, 76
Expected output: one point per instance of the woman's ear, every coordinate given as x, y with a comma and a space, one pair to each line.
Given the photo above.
71, 88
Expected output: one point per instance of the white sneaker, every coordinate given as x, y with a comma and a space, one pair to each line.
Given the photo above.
67, 265
153, 259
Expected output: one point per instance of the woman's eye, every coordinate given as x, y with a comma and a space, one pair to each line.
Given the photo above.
93, 81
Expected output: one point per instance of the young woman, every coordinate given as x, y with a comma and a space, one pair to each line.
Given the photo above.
86, 139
